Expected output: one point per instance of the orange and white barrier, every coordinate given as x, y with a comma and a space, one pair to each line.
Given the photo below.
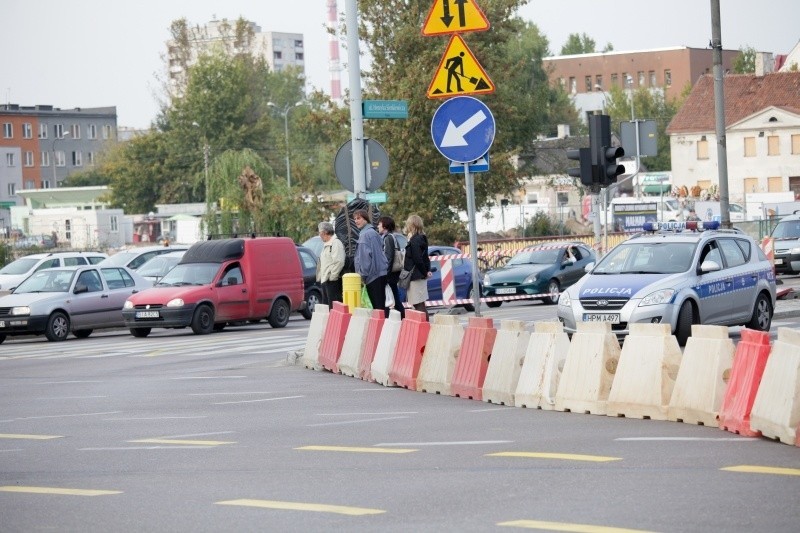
316, 331
508, 355
408, 352
544, 359
384, 352
703, 376
473, 358
374, 327
441, 353
354, 342
748, 367
646, 372
768, 247
338, 321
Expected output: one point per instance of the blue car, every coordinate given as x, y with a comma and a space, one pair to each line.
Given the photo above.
462, 274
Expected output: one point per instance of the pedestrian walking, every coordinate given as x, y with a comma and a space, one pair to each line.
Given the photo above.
331, 264
418, 263
394, 256
370, 261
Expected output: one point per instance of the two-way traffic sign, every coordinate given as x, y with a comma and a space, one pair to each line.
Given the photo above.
463, 129
451, 16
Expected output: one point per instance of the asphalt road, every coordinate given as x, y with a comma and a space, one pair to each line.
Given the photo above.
178, 432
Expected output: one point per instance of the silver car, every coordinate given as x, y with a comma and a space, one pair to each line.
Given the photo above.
56, 301
680, 278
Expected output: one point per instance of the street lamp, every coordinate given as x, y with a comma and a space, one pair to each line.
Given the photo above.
56, 138
285, 115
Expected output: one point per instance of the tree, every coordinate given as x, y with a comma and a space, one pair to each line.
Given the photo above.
579, 44
745, 61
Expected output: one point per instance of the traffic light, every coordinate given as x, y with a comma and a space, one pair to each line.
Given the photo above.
604, 156
584, 171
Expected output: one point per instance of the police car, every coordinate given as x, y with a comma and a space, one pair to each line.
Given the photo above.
676, 273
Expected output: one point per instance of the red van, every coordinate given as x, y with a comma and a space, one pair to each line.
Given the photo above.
219, 282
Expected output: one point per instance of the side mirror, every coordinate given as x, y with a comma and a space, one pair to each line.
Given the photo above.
80, 288
709, 266
588, 268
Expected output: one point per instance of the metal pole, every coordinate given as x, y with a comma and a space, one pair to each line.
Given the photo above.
719, 108
205, 171
286, 134
356, 117
473, 239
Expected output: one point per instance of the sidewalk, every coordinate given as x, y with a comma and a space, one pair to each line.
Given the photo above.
788, 308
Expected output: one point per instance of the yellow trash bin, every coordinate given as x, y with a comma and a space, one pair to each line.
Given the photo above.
351, 291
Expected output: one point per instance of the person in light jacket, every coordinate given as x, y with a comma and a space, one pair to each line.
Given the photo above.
370, 261
418, 262
331, 263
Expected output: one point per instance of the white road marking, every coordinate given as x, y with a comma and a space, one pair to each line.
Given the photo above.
369, 414
678, 439
206, 377
156, 418
261, 400
65, 382
356, 421
452, 443
60, 416
71, 398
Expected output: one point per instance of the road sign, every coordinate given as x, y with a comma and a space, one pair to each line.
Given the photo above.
479, 165
648, 137
454, 16
463, 129
385, 108
376, 172
459, 73
371, 197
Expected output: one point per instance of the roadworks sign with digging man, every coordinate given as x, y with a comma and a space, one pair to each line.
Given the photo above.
459, 73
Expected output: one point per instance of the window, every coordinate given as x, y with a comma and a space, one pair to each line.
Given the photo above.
795, 144
10, 160
45, 184
640, 75
626, 79
588, 82
29, 184
733, 254
614, 80
533, 198
58, 131
573, 85
652, 75
117, 278
278, 54
106, 132
68, 229
702, 149
44, 159
8, 130
749, 146
775, 184
12, 189
50, 263
28, 159
745, 247
90, 158
91, 131
751, 185
77, 159
298, 44
91, 279
298, 56
114, 223
75, 131
598, 80
668, 78
773, 145
27, 131
61, 159
43, 131
74, 261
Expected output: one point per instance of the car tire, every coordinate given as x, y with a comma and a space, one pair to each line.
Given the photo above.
761, 320
279, 315
494, 304
314, 297
220, 327
57, 327
203, 320
140, 332
683, 330
553, 288
2, 338
82, 333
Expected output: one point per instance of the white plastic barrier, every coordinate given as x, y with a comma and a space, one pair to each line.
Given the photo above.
354, 342
544, 360
441, 352
702, 377
505, 364
382, 362
646, 372
316, 331
776, 408
589, 369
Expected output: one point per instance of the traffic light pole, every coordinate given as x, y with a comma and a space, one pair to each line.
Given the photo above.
473, 239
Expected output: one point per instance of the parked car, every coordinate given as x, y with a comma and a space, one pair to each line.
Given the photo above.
312, 290
678, 278
540, 269
37, 241
462, 276
136, 257
15, 272
155, 268
314, 244
787, 245
221, 282
56, 301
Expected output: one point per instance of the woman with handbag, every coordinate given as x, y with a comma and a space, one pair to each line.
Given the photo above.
386, 227
417, 263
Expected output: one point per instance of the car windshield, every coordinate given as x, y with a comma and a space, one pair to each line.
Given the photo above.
190, 274
20, 266
673, 204
787, 229
158, 266
647, 258
47, 280
536, 256
120, 259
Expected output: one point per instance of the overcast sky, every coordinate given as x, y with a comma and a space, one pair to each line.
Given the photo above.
94, 53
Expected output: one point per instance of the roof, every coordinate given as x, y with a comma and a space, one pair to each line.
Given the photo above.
65, 196
745, 95
217, 251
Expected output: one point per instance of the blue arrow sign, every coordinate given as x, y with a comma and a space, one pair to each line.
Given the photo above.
463, 129
479, 165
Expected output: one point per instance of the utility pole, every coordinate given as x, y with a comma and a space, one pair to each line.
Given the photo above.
719, 112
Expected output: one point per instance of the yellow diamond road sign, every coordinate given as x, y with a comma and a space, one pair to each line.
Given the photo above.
459, 73
454, 16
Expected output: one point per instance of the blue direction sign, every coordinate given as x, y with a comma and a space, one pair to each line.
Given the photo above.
479, 165
463, 129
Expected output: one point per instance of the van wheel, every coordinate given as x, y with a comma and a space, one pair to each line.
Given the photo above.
203, 320
140, 332
314, 296
762, 314
82, 333
279, 316
57, 327
685, 320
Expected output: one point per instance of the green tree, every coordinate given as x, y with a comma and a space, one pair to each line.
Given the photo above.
745, 61
579, 44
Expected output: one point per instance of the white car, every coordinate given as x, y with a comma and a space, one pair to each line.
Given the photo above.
136, 257
15, 272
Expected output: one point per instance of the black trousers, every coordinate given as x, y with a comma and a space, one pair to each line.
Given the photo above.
391, 281
332, 291
377, 292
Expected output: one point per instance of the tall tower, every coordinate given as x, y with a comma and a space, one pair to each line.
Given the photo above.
334, 66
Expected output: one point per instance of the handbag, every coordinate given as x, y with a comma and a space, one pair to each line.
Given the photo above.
404, 282
399, 257
389, 296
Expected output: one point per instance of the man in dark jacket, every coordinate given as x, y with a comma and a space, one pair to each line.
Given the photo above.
370, 261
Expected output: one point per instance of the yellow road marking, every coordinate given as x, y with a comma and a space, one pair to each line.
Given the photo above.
565, 456
561, 526
297, 506
58, 490
31, 437
355, 449
184, 442
752, 469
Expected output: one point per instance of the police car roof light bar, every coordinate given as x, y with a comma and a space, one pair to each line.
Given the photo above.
680, 226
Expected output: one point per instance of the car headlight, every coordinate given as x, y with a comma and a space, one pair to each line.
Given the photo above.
128, 305
21, 310
794, 251
564, 299
663, 296
486, 279
530, 279
176, 302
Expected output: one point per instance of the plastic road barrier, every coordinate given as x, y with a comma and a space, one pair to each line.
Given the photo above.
354, 342
544, 360
410, 346
374, 327
751, 356
441, 353
384, 352
508, 356
338, 321
316, 332
473, 358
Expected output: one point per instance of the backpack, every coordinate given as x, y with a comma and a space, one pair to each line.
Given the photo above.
399, 257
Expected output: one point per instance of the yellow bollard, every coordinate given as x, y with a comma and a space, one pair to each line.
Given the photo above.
351, 291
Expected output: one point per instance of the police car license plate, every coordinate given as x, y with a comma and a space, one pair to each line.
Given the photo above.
146, 314
778, 261
595, 317
508, 290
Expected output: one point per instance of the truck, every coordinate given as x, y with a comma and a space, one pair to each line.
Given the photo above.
711, 211
222, 282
